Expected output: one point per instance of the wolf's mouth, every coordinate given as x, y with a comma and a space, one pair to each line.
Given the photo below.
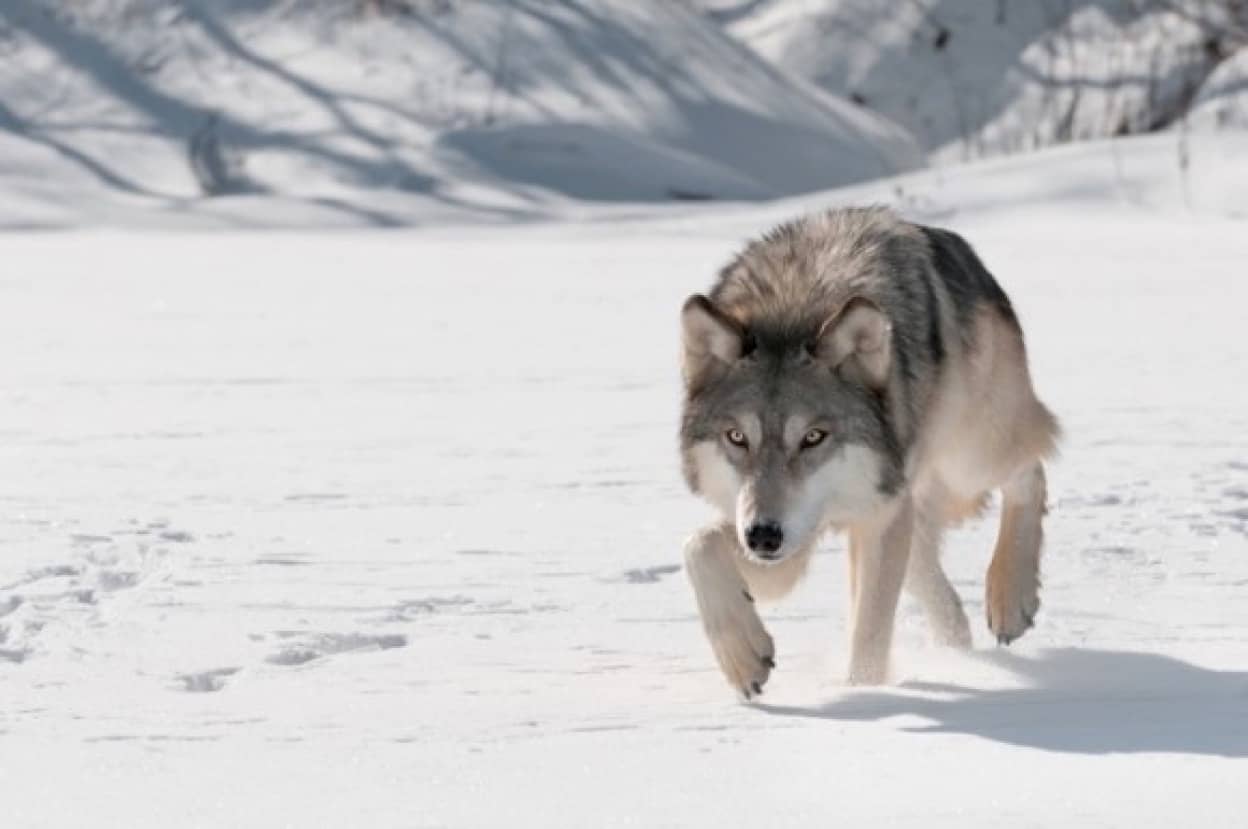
765, 559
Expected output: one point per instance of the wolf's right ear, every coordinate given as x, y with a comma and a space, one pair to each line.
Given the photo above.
710, 338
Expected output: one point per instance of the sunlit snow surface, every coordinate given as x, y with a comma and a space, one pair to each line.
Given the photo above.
383, 528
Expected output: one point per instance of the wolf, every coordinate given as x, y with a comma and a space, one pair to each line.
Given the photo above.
852, 371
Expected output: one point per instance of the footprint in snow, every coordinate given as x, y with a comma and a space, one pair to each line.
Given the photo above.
650, 575
15, 655
206, 681
328, 644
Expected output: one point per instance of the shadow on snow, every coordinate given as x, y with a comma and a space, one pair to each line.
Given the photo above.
1077, 701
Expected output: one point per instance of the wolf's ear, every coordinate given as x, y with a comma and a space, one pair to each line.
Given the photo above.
857, 342
710, 339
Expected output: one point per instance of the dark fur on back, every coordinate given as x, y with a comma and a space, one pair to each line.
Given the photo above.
964, 275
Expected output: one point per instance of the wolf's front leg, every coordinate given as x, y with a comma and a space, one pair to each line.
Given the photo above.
881, 548
743, 647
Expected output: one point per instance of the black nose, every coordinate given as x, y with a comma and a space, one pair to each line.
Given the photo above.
764, 536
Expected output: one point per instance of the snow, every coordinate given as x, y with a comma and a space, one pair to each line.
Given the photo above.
1222, 101
970, 80
117, 110
382, 527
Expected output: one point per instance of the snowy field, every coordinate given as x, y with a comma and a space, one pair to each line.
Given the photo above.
363, 527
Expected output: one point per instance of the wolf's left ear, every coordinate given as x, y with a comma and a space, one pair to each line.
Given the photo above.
857, 342
710, 339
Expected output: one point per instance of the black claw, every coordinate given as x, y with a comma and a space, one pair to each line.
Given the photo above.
769, 662
758, 689
745, 692
748, 597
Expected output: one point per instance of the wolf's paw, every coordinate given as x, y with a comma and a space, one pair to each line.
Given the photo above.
867, 673
947, 620
953, 632
1011, 607
743, 647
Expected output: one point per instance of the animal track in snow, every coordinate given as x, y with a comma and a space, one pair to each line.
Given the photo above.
88, 538
285, 560
315, 497
328, 644
206, 681
14, 655
52, 571
104, 565
409, 609
650, 575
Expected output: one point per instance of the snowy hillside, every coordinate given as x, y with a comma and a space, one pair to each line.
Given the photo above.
1222, 102
383, 528
970, 79
490, 109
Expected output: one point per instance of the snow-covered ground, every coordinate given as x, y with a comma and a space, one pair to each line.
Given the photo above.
374, 527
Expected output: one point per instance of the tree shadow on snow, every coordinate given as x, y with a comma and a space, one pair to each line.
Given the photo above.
374, 162
1075, 700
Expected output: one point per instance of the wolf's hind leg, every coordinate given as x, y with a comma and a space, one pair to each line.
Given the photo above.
742, 646
1013, 583
925, 578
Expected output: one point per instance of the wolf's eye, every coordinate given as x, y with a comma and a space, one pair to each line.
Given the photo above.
813, 438
736, 437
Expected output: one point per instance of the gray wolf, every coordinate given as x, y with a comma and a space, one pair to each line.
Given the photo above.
852, 371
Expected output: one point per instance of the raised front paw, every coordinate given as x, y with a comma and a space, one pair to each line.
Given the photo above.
741, 644
743, 647
1011, 603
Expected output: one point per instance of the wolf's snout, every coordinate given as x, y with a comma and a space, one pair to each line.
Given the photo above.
764, 537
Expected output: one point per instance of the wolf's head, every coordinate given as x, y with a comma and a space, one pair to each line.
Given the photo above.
784, 430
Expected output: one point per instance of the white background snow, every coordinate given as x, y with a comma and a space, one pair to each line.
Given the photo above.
375, 519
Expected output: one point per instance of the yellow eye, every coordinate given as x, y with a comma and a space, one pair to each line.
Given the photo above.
736, 437
813, 438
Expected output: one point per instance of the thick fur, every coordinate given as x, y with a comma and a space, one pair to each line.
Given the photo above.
853, 371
